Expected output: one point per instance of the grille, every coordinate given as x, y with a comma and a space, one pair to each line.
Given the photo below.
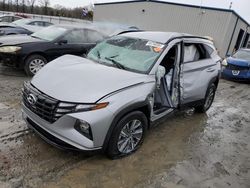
44, 106
236, 67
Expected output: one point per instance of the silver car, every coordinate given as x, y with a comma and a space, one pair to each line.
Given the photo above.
108, 100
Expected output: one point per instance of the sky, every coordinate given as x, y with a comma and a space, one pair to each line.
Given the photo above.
242, 7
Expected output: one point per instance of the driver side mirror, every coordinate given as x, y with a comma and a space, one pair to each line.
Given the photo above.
62, 42
160, 73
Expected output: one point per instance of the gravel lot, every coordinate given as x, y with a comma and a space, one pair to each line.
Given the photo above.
188, 150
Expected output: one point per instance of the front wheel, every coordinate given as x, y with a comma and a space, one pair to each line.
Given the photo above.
128, 135
210, 94
33, 64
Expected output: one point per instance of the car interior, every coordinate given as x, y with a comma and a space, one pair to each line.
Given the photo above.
163, 93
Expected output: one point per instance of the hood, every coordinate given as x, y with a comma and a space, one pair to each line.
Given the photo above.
76, 79
17, 40
239, 62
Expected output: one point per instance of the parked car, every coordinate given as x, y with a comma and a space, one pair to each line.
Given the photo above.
33, 52
9, 18
108, 100
237, 66
22, 26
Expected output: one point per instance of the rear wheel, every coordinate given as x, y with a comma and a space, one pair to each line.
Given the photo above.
34, 63
128, 135
208, 99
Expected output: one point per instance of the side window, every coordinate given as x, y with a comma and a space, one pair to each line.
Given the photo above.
94, 36
37, 23
75, 37
169, 60
6, 19
195, 52
46, 24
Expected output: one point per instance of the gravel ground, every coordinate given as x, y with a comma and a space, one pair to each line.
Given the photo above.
188, 150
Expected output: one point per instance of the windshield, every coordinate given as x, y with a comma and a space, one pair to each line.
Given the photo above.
21, 22
132, 54
50, 33
242, 54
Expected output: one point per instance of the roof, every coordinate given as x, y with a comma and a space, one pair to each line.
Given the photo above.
157, 36
178, 4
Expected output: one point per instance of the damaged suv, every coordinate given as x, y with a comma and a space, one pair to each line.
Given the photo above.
126, 83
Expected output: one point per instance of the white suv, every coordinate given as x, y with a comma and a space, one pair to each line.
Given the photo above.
109, 99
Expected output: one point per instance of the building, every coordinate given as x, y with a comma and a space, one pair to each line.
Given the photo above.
228, 30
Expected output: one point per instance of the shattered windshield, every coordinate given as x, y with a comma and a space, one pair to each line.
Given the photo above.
127, 53
242, 54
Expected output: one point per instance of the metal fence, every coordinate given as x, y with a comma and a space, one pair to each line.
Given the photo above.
52, 19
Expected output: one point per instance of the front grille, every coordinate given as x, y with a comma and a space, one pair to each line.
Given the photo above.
46, 107
236, 67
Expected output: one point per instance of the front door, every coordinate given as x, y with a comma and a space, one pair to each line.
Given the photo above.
166, 96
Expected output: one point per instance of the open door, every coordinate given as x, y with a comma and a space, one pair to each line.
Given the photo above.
166, 96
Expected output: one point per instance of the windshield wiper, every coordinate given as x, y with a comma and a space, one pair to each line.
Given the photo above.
116, 63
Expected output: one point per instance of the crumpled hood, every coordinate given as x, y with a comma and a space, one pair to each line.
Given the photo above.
76, 79
17, 40
239, 62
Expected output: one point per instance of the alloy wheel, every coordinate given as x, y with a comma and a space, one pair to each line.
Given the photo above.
130, 136
35, 65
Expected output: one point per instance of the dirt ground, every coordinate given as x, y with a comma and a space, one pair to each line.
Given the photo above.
188, 150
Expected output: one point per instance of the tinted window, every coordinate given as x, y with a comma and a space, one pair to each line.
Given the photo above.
195, 52
37, 24
94, 36
209, 49
50, 33
6, 19
75, 37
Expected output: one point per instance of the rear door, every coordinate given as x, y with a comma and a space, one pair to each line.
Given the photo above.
197, 70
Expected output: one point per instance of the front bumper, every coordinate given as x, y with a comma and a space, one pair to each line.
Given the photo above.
242, 75
62, 133
13, 60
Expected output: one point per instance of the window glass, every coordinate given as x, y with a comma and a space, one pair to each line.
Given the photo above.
195, 52
75, 37
94, 36
6, 19
134, 54
209, 49
50, 33
242, 54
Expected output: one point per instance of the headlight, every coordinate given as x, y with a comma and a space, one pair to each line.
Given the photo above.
71, 107
10, 49
84, 107
224, 62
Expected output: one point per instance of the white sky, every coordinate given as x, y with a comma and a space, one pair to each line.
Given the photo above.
242, 7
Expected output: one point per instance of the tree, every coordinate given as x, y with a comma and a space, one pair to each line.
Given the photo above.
45, 4
17, 5
32, 4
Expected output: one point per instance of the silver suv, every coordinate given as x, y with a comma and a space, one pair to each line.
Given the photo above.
109, 99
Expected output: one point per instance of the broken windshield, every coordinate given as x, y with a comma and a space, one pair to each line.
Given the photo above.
132, 54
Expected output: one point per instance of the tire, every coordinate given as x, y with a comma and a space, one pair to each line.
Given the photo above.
209, 98
33, 64
128, 135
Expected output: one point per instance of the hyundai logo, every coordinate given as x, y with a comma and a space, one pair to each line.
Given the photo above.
32, 99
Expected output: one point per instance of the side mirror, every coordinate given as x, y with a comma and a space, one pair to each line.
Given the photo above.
62, 42
160, 73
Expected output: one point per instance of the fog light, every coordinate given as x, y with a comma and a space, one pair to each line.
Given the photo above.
84, 128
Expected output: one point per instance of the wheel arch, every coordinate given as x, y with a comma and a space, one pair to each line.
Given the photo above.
33, 53
143, 107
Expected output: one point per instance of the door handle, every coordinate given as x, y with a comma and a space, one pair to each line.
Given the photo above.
210, 70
